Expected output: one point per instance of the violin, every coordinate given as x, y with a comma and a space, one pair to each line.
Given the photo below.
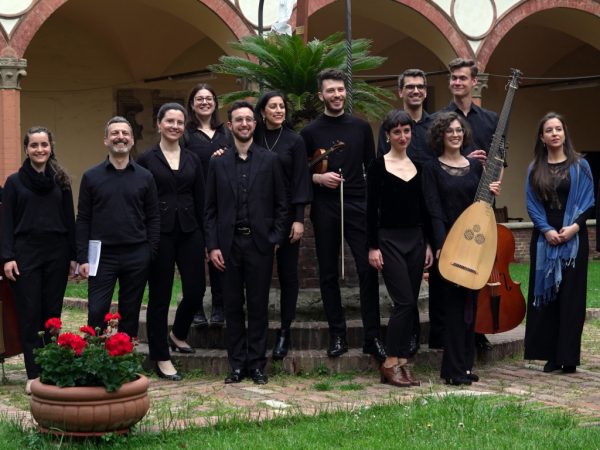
317, 163
500, 304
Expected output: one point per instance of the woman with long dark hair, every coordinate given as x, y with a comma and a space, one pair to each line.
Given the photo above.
180, 184
450, 183
204, 134
560, 198
396, 222
274, 133
38, 240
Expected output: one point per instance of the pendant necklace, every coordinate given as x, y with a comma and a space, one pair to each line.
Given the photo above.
276, 140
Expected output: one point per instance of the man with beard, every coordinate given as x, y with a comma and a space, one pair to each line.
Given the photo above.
347, 165
412, 90
246, 208
118, 206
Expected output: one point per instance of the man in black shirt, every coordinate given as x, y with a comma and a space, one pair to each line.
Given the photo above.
348, 164
118, 206
463, 79
246, 211
412, 90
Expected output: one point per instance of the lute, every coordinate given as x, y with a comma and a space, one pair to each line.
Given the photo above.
469, 251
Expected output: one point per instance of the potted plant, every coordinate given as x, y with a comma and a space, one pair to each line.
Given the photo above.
89, 383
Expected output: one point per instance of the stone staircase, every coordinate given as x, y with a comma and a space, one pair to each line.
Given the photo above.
310, 339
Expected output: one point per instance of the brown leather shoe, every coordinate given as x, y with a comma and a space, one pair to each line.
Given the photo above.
394, 376
409, 376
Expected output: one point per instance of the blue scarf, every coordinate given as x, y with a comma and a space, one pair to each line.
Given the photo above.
550, 259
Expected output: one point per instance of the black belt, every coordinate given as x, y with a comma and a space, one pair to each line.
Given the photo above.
243, 231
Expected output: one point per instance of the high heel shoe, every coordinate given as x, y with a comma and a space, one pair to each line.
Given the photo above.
405, 370
173, 377
394, 376
282, 344
177, 348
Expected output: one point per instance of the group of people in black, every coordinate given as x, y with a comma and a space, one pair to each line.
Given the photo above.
235, 195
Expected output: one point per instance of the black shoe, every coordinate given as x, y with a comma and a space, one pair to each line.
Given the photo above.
459, 381
177, 348
482, 343
472, 376
551, 366
569, 369
337, 346
217, 319
235, 376
282, 344
200, 320
258, 376
376, 349
174, 377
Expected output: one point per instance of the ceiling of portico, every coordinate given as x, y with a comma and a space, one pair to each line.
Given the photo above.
132, 40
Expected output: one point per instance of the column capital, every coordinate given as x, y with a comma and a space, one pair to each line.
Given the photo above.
11, 72
482, 83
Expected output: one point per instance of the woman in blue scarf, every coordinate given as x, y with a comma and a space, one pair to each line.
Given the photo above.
560, 198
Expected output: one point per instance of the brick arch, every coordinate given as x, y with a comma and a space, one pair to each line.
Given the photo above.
37, 16
432, 13
520, 12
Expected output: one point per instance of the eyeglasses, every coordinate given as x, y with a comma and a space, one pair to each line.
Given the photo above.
412, 87
207, 99
241, 120
451, 131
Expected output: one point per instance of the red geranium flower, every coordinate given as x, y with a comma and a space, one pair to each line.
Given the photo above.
88, 330
119, 344
53, 322
110, 316
74, 341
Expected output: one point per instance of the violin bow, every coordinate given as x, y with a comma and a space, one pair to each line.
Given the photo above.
342, 221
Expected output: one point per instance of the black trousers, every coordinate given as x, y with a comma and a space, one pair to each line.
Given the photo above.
287, 272
460, 308
403, 253
436, 307
187, 251
216, 291
325, 216
247, 278
129, 264
43, 263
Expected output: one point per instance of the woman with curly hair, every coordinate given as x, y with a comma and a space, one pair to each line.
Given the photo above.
450, 183
38, 240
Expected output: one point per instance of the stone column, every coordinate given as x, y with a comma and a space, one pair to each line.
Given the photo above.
11, 71
482, 84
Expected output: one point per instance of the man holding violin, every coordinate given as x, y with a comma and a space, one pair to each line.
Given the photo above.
334, 202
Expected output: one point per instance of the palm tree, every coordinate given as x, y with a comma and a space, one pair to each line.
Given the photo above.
287, 64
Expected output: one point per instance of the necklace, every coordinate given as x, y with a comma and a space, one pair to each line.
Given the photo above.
276, 140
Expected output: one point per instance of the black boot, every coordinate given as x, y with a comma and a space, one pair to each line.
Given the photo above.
282, 344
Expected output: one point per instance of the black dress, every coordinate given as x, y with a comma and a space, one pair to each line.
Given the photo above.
396, 218
553, 331
448, 192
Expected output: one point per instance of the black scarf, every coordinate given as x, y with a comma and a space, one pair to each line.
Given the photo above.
38, 182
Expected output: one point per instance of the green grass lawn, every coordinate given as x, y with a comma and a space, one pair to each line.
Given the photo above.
520, 272
428, 422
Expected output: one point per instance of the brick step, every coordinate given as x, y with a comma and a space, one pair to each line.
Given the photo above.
214, 361
308, 335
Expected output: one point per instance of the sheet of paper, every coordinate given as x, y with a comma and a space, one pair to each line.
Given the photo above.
94, 248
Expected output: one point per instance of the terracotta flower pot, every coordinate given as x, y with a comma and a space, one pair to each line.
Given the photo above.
89, 411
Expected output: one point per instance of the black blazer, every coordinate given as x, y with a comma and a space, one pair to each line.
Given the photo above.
180, 193
267, 203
